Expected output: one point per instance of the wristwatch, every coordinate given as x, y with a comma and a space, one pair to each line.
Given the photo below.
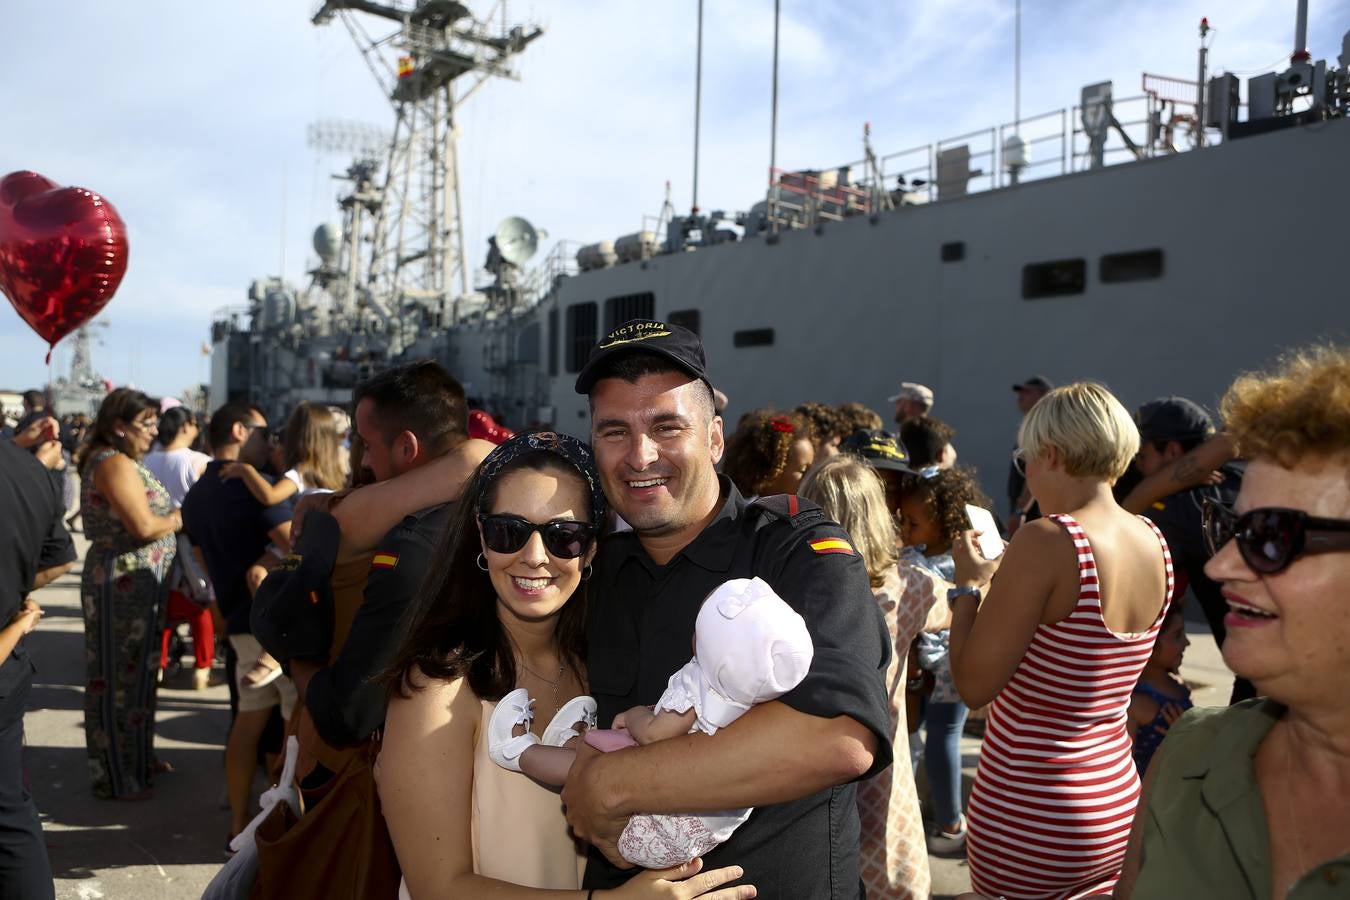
954, 593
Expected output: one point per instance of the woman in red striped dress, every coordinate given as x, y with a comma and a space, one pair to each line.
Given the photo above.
1057, 644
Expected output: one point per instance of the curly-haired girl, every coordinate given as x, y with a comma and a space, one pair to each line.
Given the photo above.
932, 516
769, 453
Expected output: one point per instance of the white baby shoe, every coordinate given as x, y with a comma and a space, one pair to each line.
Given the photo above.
560, 730
516, 708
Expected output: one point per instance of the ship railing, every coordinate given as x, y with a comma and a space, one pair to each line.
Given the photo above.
1054, 144
560, 262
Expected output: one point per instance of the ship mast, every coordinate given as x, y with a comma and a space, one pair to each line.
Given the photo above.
417, 252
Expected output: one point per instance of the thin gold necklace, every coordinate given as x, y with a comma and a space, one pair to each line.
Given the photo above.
551, 683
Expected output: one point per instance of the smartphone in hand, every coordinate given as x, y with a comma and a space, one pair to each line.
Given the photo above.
982, 520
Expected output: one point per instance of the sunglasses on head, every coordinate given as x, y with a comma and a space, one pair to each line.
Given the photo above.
564, 539
1271, 538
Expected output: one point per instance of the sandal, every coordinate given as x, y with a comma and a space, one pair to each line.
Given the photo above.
263, 674
504, 747
577, 711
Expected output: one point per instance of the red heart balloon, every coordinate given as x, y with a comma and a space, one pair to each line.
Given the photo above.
63, 252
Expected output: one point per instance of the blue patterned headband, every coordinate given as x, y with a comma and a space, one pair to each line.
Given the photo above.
576, 453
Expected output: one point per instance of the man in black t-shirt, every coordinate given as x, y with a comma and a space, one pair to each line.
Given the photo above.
657, 442
35, 549
232, 529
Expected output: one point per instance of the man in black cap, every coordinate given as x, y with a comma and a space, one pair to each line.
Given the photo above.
1021, 507
35, 549
886, 455
657, 442
1169, 427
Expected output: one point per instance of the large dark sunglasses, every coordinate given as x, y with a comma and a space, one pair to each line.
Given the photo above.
564, 539
1271, 538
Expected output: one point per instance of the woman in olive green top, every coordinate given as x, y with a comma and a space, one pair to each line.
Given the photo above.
1249, 801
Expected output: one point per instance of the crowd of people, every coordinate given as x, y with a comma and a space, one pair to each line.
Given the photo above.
680, 659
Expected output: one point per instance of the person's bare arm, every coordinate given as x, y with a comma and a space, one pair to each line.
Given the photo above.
772, 754
368, 513
268, 494
23, 623
281, 536
117, 480
47, 576
986, 646
1191, 470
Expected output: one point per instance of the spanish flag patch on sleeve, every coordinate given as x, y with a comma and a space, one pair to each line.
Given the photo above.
384, 561
832, 545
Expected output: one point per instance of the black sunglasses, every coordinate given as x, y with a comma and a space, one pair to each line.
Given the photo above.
564, 539
1271, 538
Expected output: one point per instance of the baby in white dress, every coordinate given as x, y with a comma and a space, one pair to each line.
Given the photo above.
749, 647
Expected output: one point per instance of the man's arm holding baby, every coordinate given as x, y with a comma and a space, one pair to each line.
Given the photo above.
831, 729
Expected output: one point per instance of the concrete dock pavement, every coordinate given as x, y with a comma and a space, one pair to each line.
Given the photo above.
169, 847
165, 848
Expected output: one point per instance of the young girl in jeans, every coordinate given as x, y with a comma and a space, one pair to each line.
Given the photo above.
932, 515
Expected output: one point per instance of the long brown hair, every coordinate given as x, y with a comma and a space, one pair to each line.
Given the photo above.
311, 446
121, 405
452, 629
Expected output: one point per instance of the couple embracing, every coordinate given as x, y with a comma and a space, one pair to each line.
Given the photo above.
736, 767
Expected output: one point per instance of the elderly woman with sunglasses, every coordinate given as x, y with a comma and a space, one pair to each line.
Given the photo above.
503, 609
1249, 801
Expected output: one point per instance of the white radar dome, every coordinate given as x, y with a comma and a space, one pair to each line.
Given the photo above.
328, 242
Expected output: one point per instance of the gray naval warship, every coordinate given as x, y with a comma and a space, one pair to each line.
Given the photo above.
1160, 243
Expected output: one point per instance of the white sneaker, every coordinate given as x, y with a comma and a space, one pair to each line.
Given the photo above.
942, 841
560, 730
516, 708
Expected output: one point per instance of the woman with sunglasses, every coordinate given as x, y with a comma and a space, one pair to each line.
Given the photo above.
1249, 801
1057, 643
130, 520
503, 609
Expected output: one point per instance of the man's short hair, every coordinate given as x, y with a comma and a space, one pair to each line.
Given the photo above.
33, 399
421, 397
223, 420
858, 416
925, 438
634, 365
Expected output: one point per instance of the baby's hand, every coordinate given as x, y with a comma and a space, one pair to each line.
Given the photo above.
638, 721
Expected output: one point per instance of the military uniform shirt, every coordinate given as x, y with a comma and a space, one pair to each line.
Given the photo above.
345, 702
640, 628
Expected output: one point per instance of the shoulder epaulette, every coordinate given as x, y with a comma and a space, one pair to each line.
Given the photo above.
789, 507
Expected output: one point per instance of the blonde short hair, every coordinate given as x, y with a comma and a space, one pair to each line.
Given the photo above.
1301, 408
851, 493
1094, 434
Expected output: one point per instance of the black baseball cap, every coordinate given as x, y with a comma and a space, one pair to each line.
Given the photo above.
678, 344
879, 449
1173, 419
1035, 381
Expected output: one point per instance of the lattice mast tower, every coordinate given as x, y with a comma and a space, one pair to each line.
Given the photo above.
417, 243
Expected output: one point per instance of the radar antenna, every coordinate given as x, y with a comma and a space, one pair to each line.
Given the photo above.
417, 244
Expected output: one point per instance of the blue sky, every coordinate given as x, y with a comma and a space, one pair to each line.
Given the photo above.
188, 117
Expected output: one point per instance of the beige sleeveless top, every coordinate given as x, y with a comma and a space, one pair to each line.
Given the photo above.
519, 832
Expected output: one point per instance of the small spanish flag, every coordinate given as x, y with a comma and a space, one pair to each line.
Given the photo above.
405, 66
832, 545
384, 561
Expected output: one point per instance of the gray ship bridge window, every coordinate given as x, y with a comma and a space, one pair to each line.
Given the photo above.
1140, 265
1059, 278
582, 319
685, 318
753, 337
628, 307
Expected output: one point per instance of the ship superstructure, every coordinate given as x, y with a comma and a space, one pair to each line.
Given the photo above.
1160, 242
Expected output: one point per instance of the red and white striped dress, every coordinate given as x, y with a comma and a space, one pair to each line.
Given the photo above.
1056, 787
